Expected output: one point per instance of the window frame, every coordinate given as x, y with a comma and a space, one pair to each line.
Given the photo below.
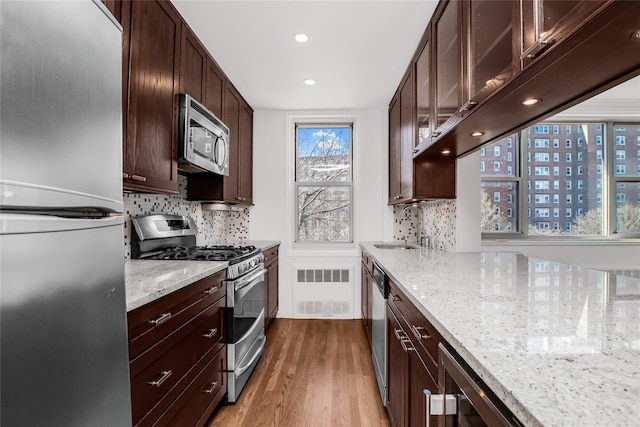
297, 243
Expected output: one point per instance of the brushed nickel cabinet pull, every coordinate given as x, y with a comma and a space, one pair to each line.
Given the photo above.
212, 387
211, 290
397, 333
160, 319
164, 376
416, 331
211, 333
392, 297
139, 178
125, 175
403, 343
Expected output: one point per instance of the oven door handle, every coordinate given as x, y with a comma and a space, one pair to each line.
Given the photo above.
249, 280
242, 369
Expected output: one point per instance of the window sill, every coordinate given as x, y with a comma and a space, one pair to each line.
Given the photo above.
590, 241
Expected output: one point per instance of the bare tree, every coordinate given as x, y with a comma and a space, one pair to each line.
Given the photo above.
589, 224
490, 214
628, 218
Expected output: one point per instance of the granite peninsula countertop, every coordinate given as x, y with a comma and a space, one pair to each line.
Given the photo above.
148, 280
559, 344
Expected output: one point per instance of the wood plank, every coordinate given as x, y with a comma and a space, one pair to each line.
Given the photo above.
313, 373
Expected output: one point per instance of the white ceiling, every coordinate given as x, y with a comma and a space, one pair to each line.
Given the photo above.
357, 50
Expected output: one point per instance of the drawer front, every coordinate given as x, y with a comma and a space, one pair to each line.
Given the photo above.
421, 332
152, 322
270, 254
159, 374
196, 404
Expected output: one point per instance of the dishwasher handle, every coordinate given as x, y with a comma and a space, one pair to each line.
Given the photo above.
380, 280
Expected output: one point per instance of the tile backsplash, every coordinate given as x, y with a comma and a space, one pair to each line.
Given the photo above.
439, 221
213, 226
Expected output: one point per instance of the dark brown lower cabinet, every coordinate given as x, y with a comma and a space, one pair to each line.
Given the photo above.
177, 377
410, 368
271, 285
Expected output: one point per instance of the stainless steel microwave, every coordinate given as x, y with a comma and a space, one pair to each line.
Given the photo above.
203, 140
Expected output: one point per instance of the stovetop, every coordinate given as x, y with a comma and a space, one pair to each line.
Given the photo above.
231, 253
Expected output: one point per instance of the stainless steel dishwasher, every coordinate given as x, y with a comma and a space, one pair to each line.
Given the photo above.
379, 291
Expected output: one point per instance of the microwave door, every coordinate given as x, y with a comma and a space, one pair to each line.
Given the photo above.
221, 154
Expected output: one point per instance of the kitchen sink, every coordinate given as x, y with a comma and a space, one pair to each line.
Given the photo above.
396, 246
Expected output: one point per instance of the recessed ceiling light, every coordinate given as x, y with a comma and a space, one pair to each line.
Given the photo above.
531, 101
447, 151
309, 82
301, 37
477, 133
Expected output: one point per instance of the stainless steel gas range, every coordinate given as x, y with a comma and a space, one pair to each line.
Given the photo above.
173, 237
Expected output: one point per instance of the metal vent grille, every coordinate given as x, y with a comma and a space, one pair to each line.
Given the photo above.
323, 293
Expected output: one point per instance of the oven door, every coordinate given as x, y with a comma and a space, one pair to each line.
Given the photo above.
245, 313
464, 399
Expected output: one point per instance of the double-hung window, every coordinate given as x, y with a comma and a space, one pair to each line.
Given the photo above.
324, 183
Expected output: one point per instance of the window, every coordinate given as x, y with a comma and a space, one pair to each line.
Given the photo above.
496, 196
568, 157
481, 166
580, 184
580, 141
568, 170
542, 129
556, 185
568, 199
598, 154
568, 129
541, 199
556, 213
598, 139
542, 170
556, 143
496, 166
620, 169
556, 171
482, 152
496, 150
580, 156
510, 142
556, 199
541, 157
556, 157
568, 185
509, 156
541, 212
580, 170
620, 140
541, 143
568, 143
541, 184
324, 183
556, 129
580, 198
620, 154
568, 212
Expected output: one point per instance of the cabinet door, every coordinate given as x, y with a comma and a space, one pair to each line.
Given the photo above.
214, 88
490, 52
545, 22
193, 59
397, 373
394, 150
245, 155
419, 380
408, 138
448, 62
271, 303
423, 92
150, 152
231, 118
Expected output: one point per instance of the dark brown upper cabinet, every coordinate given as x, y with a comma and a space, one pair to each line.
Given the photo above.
214, 88
237, 187
546, 22
448, 66
491, 55
153, 32
193, 62
479, 59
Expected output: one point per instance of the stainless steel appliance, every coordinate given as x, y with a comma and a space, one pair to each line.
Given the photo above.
464, 399
173, 237
63, 332
203, 139
380, 291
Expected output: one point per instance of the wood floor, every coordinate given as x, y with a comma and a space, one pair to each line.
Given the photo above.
313, 373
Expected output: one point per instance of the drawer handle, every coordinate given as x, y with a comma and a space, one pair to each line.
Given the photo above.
212, 387
164, 376
393, 297
403, 343
125, 175
161, 319
416, 331
211, 290
397, 333
211, 333
139, 178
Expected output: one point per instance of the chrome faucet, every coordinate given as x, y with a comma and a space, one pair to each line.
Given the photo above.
421, 238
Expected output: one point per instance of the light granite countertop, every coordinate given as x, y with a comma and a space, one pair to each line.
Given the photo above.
148, 280
559, 344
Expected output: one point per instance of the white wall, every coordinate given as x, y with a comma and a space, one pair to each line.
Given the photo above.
272, 215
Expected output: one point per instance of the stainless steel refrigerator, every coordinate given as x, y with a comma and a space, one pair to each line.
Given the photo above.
63, 333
